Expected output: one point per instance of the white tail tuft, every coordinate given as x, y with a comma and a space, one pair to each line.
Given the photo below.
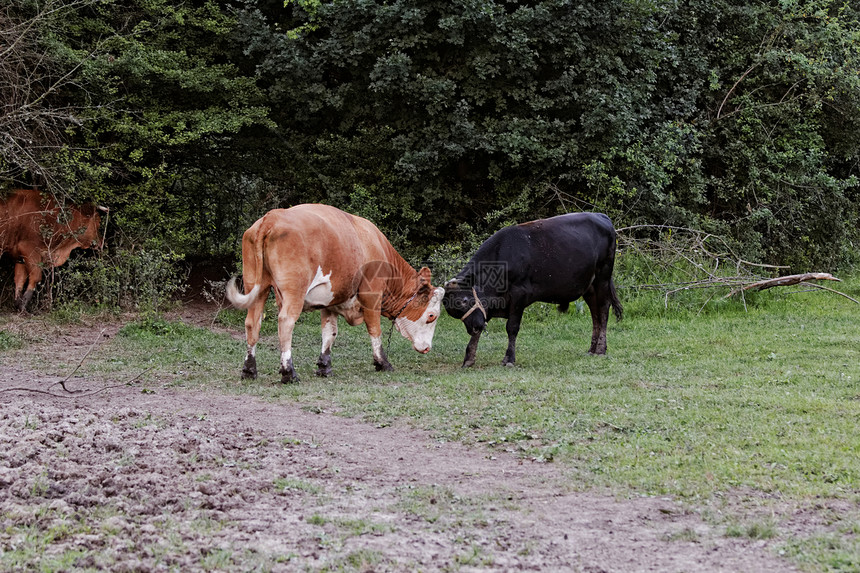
238, 299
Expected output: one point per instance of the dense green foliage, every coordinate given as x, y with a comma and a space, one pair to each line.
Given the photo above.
734, 116
443, 121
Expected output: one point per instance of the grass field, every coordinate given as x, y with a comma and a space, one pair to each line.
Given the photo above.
727, 405
684, 403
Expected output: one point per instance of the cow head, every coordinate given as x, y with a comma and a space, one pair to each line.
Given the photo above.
85, 224
466, 303
417, 321
75, 227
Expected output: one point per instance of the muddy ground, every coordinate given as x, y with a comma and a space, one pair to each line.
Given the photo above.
188, 481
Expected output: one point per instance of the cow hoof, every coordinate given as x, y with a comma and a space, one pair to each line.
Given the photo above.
22, 302
288, 374
324, 366
249, 368
383, 366
507, 364
468, 364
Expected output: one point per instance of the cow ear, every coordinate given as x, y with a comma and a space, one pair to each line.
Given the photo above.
424, 277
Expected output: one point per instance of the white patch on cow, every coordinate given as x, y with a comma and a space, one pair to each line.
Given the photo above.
420, 332
376, 345
286, 355
319, 292
329, 332
252, 350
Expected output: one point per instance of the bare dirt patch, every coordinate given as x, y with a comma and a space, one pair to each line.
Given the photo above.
181, 480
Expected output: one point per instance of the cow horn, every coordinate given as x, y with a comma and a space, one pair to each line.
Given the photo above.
103, 208
451, 284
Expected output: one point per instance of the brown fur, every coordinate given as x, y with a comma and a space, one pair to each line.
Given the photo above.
287, 248
38, 233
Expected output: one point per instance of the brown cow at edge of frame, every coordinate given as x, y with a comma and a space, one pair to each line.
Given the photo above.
38, 233
319, 257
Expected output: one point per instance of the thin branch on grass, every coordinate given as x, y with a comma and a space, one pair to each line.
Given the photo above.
76, 394
611, 425
76, 368
822, 287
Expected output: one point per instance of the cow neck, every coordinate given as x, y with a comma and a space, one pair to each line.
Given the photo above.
395, 301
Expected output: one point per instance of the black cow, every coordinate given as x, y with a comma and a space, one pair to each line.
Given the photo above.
555, 260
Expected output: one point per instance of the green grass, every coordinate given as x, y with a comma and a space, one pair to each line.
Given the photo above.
694, 400
835, 551
685, 404
9, 341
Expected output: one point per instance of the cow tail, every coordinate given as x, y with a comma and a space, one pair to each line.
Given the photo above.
616, 304
238, 299
251, 275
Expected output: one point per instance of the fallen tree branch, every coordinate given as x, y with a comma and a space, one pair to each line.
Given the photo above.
822, 287
790, 280
697, 259
80, 362
77, 394
787, 280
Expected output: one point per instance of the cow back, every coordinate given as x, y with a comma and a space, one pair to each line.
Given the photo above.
551, 260
298, 243
32, 224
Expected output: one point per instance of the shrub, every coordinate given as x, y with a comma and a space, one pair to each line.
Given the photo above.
129, 279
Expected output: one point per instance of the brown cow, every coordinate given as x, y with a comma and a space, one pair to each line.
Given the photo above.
319, 257
39, 233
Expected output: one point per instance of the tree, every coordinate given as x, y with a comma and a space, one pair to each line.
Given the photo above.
731, 116
443, 120
781, 149
481, 104
33, 74
139, 106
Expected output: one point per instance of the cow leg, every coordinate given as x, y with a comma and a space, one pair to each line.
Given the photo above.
329, 333
20, 283
28, 273
471, 349
288, 314
380, 360
515, 318
372, 319
598, 301
253, 321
